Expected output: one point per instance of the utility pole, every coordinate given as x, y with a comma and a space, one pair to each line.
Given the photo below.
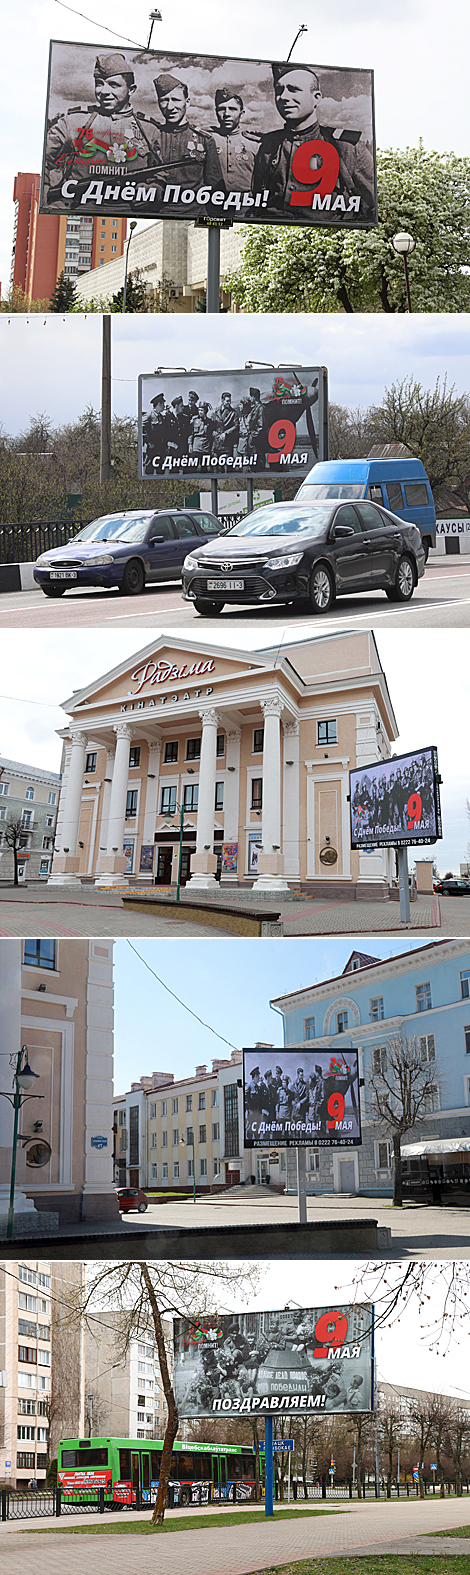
105, 451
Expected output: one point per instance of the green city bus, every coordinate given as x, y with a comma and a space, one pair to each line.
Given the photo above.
128, 1470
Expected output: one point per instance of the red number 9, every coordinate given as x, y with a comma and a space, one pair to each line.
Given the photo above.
413, 810
322, 180
335, 1109
331, 1329
281, 436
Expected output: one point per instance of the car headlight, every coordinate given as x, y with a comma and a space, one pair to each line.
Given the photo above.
190, 563
42, 560
284, 563
96, 562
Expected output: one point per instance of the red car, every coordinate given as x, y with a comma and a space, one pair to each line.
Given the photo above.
132, 1198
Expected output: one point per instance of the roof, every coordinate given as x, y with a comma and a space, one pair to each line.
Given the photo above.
381, 962
363, 960
29, 771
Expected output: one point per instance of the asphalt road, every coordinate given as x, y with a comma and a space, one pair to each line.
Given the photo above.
442, 601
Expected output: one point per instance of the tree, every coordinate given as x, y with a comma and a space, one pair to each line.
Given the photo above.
136, 294
64, 295
457, 1441
432, 424
145, 1293
390, 1430
399, 1096
290, 269
16, 838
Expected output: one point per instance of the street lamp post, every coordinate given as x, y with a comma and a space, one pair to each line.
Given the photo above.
180, 808
132, 227
184, 1141
405, 244
24, 1080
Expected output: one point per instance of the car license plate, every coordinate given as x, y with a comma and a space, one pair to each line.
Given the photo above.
225, 585
63, 574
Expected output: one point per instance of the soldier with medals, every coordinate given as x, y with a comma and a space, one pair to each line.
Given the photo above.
109, 136
297, 93
179, 150
232, 151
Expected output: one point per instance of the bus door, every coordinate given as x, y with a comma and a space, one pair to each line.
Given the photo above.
223, 1476
215, 1475
145, 1468
135, 1473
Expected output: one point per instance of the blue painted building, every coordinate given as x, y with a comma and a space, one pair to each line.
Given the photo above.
420, 996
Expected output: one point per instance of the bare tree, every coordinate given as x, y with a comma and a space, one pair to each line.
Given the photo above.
16, 837
424, 1415
390, 1426
392, 1287
457, 1440
400, 1094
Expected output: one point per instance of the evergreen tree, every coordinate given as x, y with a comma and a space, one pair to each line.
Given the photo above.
136, 295
64, 295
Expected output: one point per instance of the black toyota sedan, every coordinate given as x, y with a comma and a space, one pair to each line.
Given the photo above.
292, 552
127, 550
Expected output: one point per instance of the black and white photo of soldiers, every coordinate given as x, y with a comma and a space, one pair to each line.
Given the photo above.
156, 134
394, 800
299, 1099
267, 428
243, 1357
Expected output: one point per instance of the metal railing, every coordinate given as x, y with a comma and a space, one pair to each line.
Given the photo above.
24, 543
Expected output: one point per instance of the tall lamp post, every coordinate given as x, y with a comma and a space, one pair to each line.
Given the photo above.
24, 1079
190, 1140
405, 244
179, 827
132, 227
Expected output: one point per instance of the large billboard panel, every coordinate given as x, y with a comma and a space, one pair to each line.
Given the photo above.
313, 1359
182, 136
396, 803
299, 1098
241, 423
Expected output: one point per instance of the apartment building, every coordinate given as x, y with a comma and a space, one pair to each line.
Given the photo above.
41, 1367
48, 244
28, 797
173, 1133
123, 1390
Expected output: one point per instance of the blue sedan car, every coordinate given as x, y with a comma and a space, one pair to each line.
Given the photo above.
127, 550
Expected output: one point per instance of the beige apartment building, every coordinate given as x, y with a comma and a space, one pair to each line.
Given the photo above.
251, 752
56, 998
174, 1132
41, 1367
123, 1389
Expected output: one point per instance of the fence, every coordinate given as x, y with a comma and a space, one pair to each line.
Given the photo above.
24, 543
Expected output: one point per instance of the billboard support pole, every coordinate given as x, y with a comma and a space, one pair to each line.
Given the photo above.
105, 448
213, 269
404, 885
302, 1185
249, 495
268, 1465
214, 495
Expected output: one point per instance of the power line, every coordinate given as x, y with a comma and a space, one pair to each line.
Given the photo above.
178, 999
100, 24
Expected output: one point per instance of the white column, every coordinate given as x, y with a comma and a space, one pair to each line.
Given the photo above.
99, 1197
10, 1014
291, 800
151, 797
271, 861
66, 864
113, 861
107, 785
204, 862
232, 796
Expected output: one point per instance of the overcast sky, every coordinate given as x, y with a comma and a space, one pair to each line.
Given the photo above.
53, 364
416, 51
428, 678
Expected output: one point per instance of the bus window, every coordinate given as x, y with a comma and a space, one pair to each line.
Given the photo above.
223, 1471
395, 497
416, 494
215, 1470
146, 1472
248, 1467
375, 494
156, 1455
235, 1468
69, 1459
124, 1465
135, 1471
92, 1457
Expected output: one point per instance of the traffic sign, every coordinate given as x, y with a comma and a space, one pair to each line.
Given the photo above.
283, 1443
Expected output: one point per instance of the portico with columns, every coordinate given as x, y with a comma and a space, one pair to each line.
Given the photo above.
223, 749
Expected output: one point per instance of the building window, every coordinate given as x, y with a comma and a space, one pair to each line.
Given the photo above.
309, 1028
168, 801
26, 817
122, 1118
313, 1160
193, 749
4, 788
176, 1170
189, 1101
220, 744
327, 732
44, 1358
27, 1353
171, 751
153, 1112
219, 795
203, 1167
190, 796
467, 1039
258, 740
465, 984
39, 954
27, 1276
164, 1172
214, 1097
379, 1062
190, 1169
427, 1048
52, 799
423, 997
202, 1134
165, 1138
257, 793
432, 1101
49, 820
342, 1019
90, 764
190, 1135
164, 1107
377, 1009
27, 1328
29, 795
27, 1408
46, 842
134, 755
216, 1167
383, 1155
24, 1462
133, 1134
202, 1101
231, 1120
176, 1137
114, 248
153, 1140
215, 1131
174, 1107
131, 804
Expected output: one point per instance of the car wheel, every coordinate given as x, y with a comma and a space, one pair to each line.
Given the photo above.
426, 545
322, 590
208, 609
142, 1209
403, 588
133, 579
53, 590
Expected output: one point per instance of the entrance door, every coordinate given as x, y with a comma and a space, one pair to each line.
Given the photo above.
262, 1166
164, 866
347, 1175
233, 1177
185, 865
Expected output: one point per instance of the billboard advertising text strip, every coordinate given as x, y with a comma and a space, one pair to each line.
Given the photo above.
396, 802
237, 423
316, 1359
182, 136
299, 1098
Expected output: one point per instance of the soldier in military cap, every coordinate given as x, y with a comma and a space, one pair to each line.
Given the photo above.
254, 443
178, 149
232, 152
109, 135
298, 94
159, 433
225, 427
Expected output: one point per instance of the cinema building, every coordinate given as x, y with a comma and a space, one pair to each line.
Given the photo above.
245, 756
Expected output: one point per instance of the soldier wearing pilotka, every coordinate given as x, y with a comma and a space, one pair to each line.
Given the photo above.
109, 134
297, 93
179, 150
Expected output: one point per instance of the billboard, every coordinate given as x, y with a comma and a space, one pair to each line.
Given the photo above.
182, 136
242, 423
299, 1098
396, 803
308, 1359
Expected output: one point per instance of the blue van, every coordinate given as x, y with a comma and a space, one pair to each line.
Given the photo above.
398, 484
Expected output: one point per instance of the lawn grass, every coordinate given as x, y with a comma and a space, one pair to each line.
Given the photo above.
144, 1528
371, 1564
457, 1531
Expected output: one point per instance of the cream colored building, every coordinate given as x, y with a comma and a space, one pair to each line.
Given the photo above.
56, 997
123, 1389
252, 749
169, 250
41, 1367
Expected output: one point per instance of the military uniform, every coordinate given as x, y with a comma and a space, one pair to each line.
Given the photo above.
159, 435
88, 137
225, 430
231, 158
273, 167
178, 155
